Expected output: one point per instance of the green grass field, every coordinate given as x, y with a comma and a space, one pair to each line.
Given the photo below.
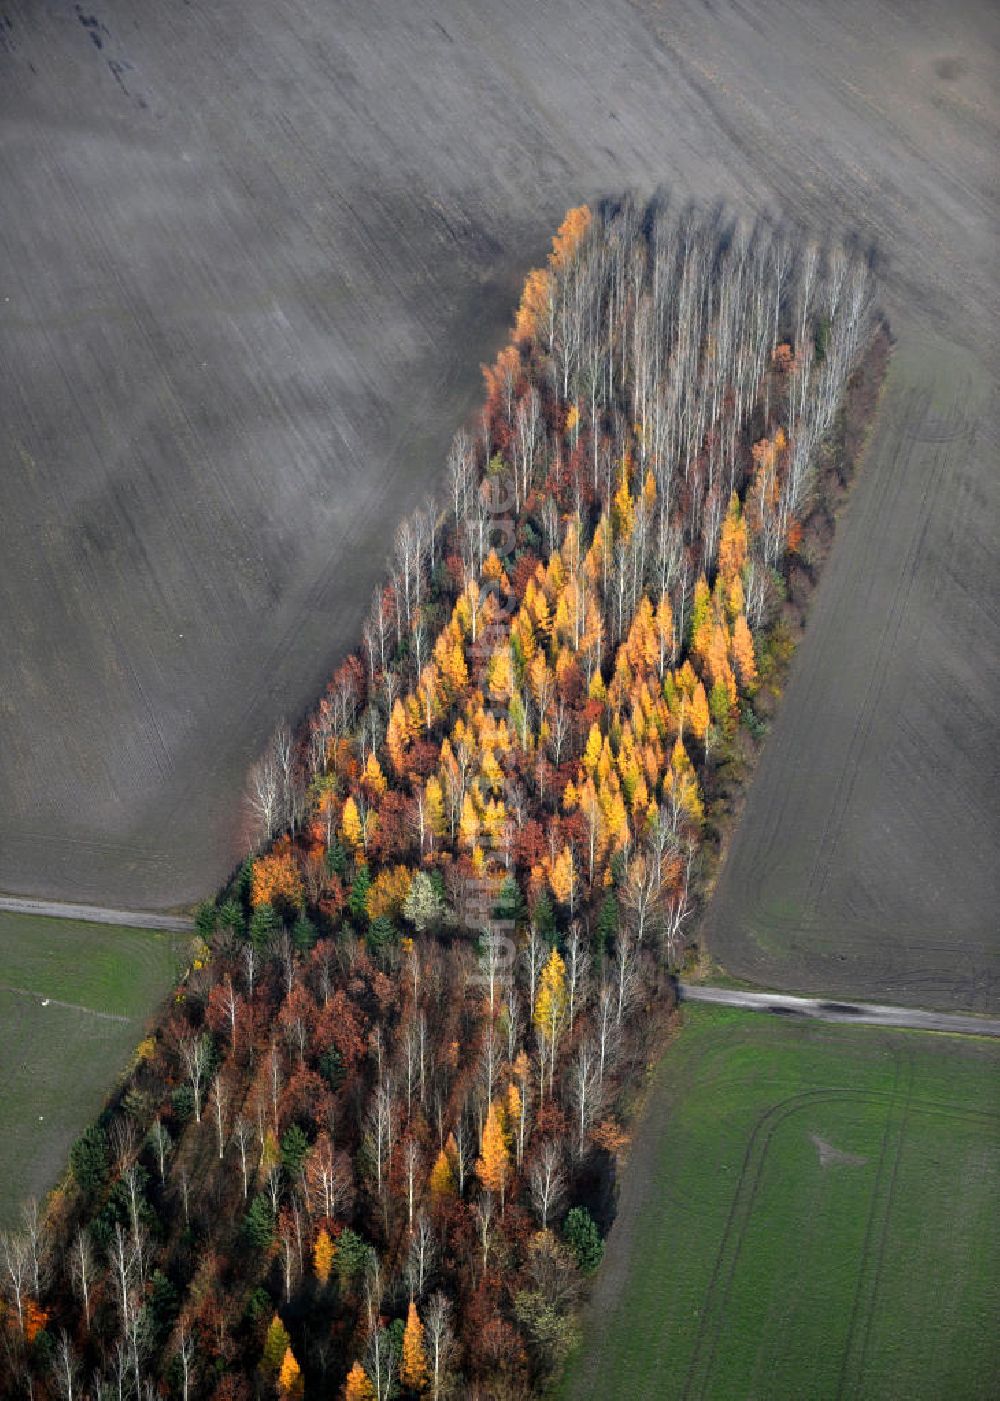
58, 1062
809, 1212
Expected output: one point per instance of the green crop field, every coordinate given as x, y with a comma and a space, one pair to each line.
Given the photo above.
809, 1212
74, 998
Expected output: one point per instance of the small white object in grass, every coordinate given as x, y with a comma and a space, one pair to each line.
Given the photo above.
41, 1118
45, 1001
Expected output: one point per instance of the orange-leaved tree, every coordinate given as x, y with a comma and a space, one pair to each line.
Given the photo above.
572, 231
276, 876
323, 1253
743, 654
358, 1386
291, 1386
413, 1371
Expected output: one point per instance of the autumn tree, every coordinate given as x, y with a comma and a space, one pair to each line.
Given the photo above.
276, 1344
276, 876
323, 1255
743, 654
493, 1164
442, 1179
563, 879
551, 1008
358, 1386
291, 1384
413, 1368
350, 823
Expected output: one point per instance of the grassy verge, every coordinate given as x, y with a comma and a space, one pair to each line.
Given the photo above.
808, 1212
58, 1062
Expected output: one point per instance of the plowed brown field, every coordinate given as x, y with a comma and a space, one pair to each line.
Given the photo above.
250, 257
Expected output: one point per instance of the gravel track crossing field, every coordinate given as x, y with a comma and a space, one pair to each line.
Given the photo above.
850, 1013
251, 257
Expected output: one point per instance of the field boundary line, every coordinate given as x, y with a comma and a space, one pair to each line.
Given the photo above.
71, 1006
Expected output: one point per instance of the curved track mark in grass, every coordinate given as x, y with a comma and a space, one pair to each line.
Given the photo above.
748, 1183
899, 1098
886, 1218
862, 1306
873, 1260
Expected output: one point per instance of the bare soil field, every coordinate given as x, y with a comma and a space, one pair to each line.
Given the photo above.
864, 860
251, 257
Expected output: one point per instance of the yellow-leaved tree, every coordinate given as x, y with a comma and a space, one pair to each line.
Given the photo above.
732, 542
550, 1010
323, 1253
592, 753
397, 736
388, 891
500, 674
373, 775
436, 816
562, 878
570, 235
681, 786
515, 1117
469, 824
442, 1179
493, 1165
350, 823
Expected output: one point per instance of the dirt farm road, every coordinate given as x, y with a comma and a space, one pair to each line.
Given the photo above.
779, 1003
95, 914
819, 1009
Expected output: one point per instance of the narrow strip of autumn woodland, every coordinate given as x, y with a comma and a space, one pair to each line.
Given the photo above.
367, 1151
